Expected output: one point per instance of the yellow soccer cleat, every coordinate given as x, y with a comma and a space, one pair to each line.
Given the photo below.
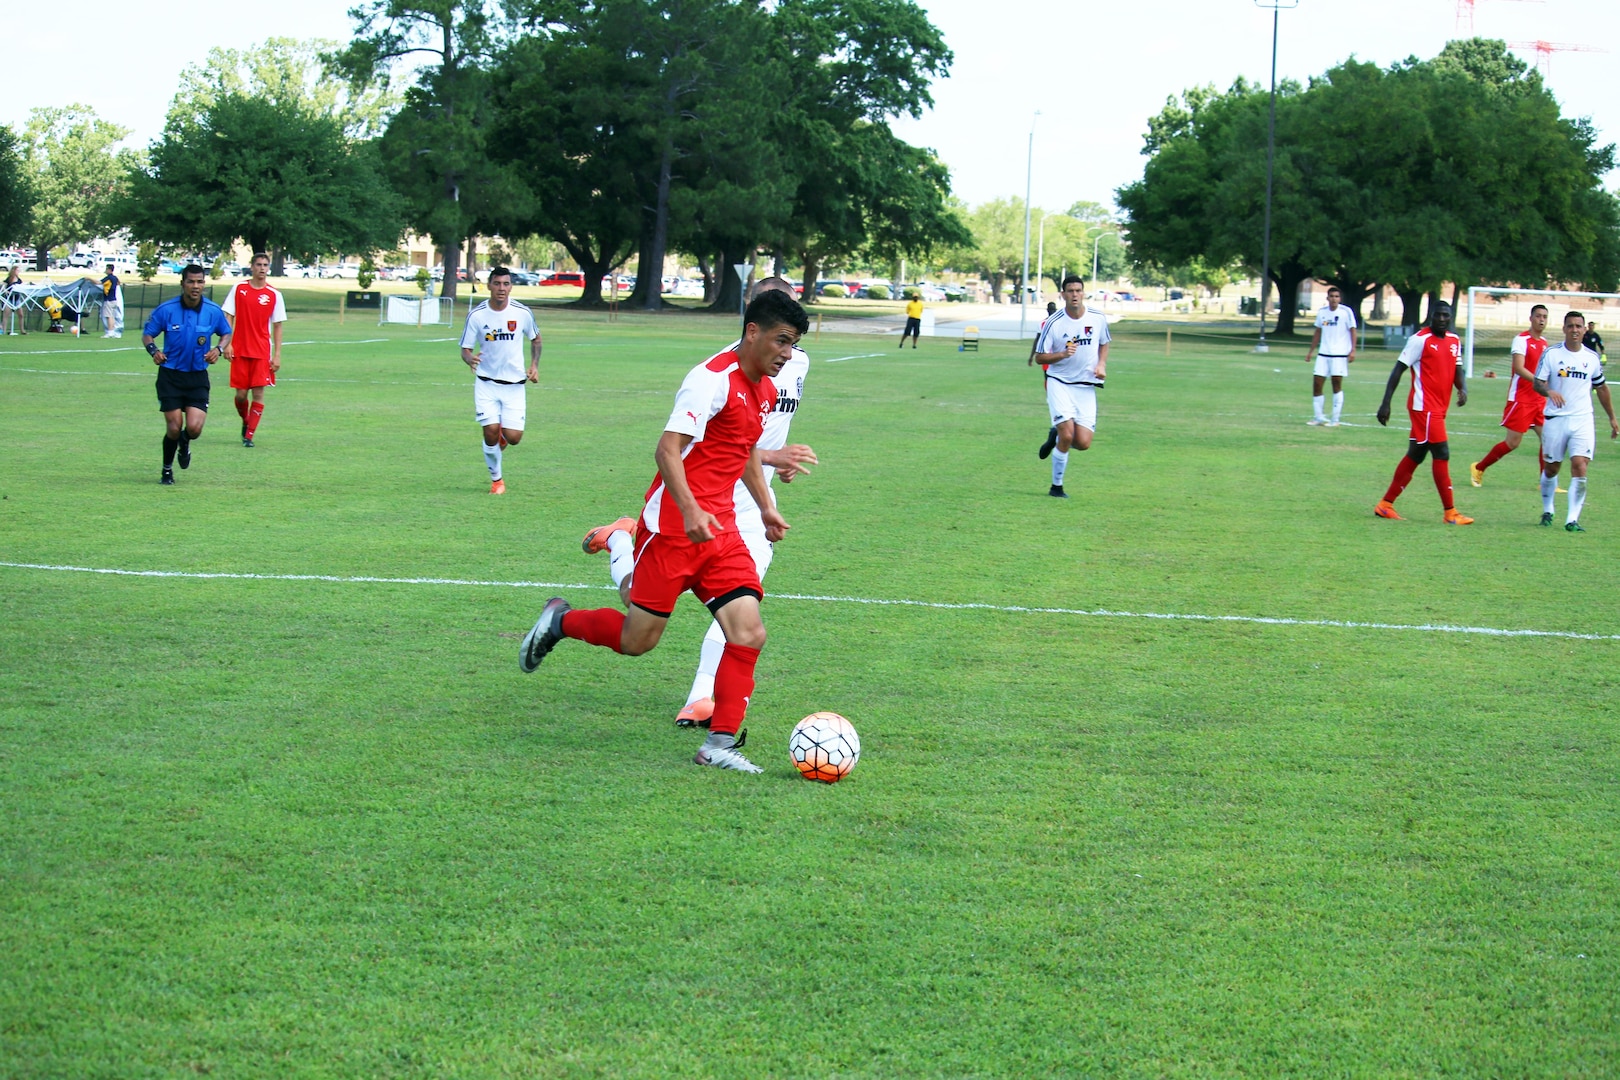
1476, 474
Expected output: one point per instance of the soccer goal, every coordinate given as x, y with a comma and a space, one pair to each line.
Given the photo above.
1493, 317
418, 311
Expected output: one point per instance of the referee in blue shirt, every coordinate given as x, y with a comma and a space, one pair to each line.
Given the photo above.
188, 323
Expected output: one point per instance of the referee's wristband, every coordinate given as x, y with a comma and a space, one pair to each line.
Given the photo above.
151, 348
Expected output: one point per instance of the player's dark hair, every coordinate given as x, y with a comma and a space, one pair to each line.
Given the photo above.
499, 271
192, 268
1076, 278
772, 309
1538, 307
1574, 315
772, 284
257, 255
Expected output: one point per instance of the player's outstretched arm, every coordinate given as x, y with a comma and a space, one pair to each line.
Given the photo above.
701, 526
1389, 392
789, 461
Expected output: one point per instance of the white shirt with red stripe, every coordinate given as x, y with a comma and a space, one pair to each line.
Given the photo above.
1531, 349
254, 310
725, 415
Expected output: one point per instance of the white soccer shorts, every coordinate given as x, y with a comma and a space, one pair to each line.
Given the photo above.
500, 403
1569, 436
1077, 403
1331, 366
752, 528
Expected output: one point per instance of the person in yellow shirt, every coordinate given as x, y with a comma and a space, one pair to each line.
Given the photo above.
53, 311
914, 310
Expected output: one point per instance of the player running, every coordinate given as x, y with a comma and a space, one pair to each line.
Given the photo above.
188, 323
1435, 357
1074, 347
256, 311
1335, 337
1567, 376
688, 538
1524, 406
500, 401
777, 458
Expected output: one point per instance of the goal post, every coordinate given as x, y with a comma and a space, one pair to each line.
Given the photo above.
1494, 316
418, 311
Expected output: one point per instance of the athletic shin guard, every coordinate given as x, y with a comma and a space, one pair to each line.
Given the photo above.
733, 686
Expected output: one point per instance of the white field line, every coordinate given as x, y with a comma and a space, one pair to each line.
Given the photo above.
860, 356
1010, 609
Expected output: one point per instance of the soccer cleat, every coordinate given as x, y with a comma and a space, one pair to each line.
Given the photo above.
1386, 509
696, 713
1057, 492
1457, 517
497, 487
1573, 526
714, 752
1331, 423
1476, 474
596, 540
1560, 491
1315, 421
1546, 517
167, 477
244, 429
1049, 445
544, 635
185, 451
247, 442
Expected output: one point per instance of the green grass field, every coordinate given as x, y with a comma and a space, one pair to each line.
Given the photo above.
272, 827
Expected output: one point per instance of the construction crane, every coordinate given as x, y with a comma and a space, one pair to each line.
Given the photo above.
1545, 49
1465, 10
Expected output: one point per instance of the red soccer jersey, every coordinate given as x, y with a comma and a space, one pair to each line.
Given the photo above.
725, 415
1433, 360
1531, 349
254, 310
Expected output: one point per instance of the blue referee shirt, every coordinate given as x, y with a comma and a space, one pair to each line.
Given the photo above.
187, 334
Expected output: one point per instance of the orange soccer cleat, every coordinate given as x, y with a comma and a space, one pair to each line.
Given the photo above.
696, 714
1386, 509
596, 540
1457, 517
498, 487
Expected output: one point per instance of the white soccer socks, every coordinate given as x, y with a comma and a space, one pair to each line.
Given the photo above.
1060, 465
1577, 497
714, 647
492, 458
1316, 406
1338, 405
621, 556
1549, 488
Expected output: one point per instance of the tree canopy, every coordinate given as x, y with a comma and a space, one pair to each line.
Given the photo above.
1457, 169
16, 189
75, 172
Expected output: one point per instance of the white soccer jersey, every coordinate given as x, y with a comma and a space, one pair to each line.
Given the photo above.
1573, 374
1338, 328
1089, 332
501, 334
789, 392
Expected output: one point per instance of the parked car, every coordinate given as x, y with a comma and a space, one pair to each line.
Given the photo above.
954, 294
83, 258
340, 270
567, 277
8, 259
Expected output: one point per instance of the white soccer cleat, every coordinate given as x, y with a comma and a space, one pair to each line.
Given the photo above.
715, 752
1315, 421
544, 635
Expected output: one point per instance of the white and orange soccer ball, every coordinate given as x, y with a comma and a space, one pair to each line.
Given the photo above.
825, 747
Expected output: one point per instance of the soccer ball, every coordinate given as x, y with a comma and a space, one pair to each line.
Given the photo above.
825, 747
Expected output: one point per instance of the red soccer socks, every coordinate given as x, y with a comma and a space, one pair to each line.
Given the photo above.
598, 626
733, 686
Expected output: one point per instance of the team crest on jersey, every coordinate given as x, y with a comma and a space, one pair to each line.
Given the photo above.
203, 340
511, 324
264, 300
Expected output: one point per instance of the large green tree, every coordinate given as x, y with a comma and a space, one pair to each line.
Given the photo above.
288, 72
16, 189
272, 172
76, 172
436, 149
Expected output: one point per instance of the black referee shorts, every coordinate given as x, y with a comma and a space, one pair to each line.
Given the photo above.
182, 390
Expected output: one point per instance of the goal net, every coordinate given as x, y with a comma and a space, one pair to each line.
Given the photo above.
1493, 317
418, 311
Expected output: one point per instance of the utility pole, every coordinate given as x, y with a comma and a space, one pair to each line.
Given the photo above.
1029, 177
1276, 7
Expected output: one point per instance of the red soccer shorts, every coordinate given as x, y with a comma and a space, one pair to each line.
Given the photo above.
667, 566
1427, 426
1524, 413
248, 372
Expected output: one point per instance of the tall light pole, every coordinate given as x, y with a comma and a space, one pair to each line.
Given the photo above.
1276, 7
1095, 244
1029, 178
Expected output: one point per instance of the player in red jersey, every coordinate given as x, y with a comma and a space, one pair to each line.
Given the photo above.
1435, 357
1524, 406
687, 537
256, 311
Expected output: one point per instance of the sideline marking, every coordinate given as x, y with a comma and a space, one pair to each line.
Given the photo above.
1011, 609
861, 356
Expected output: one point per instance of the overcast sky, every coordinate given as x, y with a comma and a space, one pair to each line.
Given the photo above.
1096, 71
